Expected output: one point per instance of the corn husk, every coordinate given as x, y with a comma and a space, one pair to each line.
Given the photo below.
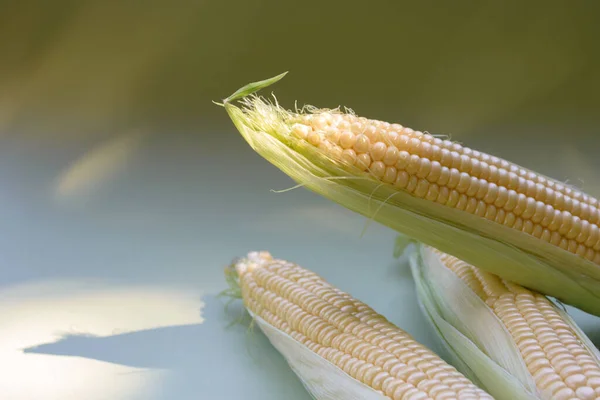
321, 378
513, 255
478, 342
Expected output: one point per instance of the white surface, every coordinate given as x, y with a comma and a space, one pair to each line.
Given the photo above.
108, 290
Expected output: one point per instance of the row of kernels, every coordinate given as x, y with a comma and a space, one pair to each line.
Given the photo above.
559, 363
581, 238
356, 348
560, 349
380, 151
313, 327
383, 131
391, 131
361, 370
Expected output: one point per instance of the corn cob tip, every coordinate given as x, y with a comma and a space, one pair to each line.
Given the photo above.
250, 262
239, 266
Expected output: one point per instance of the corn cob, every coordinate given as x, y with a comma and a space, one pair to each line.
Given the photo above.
334, 342
491, 213
522, 331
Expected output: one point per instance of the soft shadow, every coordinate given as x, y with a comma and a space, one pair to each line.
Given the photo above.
594, 335
406, 312
401, 267
220, 358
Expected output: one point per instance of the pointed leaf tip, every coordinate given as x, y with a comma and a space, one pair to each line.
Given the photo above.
253, 87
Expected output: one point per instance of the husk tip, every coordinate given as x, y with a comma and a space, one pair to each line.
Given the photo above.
252, 88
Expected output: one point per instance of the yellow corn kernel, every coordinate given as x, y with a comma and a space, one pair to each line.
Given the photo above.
540, 202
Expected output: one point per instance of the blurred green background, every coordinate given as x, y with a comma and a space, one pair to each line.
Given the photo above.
458, 66
501, 76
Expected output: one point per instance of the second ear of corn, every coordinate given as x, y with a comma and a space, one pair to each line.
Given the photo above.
504, 333
338, 346
502, 218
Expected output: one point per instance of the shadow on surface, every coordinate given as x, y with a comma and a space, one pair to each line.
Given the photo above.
594, 335
194, 354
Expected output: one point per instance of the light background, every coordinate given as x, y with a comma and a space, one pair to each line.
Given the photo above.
124, 191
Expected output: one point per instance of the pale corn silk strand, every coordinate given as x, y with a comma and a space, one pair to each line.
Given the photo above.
561, 365
346, 332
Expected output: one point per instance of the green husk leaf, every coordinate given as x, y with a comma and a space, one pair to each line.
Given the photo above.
510, 254
400, 244
253, 87
465, 354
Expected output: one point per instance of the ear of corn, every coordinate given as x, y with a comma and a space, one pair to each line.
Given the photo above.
338, 346
491, 213
515, 330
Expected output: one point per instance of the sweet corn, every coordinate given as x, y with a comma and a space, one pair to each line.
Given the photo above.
341, 339
491, 213
522, 331
447, 173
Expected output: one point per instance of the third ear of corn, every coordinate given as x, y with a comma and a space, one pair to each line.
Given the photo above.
498, 216
493, 328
